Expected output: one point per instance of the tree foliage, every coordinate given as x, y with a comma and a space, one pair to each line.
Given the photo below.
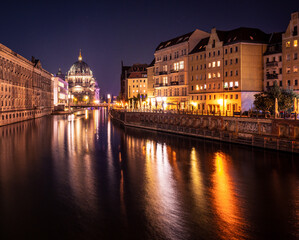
265, 101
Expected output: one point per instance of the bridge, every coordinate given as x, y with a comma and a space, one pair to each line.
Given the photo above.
91, 105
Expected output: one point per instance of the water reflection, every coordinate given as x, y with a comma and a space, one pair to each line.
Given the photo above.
87, 177
227, 206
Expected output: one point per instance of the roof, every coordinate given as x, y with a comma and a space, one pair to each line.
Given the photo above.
152, 63
174, 41
201, 46
243, 34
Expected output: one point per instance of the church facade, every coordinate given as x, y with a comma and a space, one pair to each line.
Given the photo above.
82, 85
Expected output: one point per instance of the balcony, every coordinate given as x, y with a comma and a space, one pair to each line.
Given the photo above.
163, 73
174, 71
174, 83
272, 64
272, 76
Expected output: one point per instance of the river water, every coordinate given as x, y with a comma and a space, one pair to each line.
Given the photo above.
87, 177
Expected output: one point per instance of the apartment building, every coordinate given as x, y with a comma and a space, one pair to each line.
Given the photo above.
290, 52
151, 83
136, 81
171, 70
226, 70
273, 61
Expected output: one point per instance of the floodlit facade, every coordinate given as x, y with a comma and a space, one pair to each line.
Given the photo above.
60, 90
82, 84
151, 84
290, 54
26, 89
226, 70
136, 81
171, 70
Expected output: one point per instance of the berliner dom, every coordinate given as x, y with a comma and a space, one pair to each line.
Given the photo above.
82, 84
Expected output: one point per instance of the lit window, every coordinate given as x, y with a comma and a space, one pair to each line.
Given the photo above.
295, 43
295, 69
136, 90
205, 86
214, 64
133, 91
143, 85
140, 85
225, 85
209, 65
218, 63
209, 75
231, 84
176, 66
236, 84
181, 64
288, 44
288, 69
200, 87
214, 75
218, 74
197, 88
143, 90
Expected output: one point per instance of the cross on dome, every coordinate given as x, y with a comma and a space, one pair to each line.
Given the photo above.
80, 56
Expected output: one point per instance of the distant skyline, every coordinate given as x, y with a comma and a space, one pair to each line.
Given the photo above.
128, 31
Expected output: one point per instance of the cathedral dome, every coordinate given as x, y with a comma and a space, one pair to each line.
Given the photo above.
80, 68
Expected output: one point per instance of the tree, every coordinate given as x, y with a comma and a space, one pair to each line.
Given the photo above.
265, 101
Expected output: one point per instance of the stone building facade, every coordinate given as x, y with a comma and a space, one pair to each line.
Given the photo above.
171, 70
226, 70
26, 89
290, 54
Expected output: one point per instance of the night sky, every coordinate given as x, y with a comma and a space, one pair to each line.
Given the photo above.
111, 31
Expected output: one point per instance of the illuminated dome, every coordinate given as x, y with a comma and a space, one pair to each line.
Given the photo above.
80, 68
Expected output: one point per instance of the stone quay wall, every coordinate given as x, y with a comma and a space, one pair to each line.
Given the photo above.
279, 134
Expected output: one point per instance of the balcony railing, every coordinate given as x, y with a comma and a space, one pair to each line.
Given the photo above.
272, 64
174, 83
163, 73
174, 71
272, 76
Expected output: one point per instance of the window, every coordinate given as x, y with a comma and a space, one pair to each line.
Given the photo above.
296, 82
236, 84
295, 56
236, 49
288, 57
237, 73
218, 74
181, 65
210, 65
231, 50
225, 85
231, 62
295, 69
197, 87
237, 60
205, 86
218, 63
209, 54
192, 88
209, 75
226, 74
214, 97
236, 96
210, 97
289, 82
214, 64
218, 52
225, 51
288, 44
231, 73
295, 43
214, 75
225, 63
231, 96
176, 66
288, 69
231, 84
280, 83
280, 58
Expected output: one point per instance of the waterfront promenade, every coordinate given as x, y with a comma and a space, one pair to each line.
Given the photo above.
279, 134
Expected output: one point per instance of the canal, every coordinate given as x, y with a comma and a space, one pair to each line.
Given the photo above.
87, 177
